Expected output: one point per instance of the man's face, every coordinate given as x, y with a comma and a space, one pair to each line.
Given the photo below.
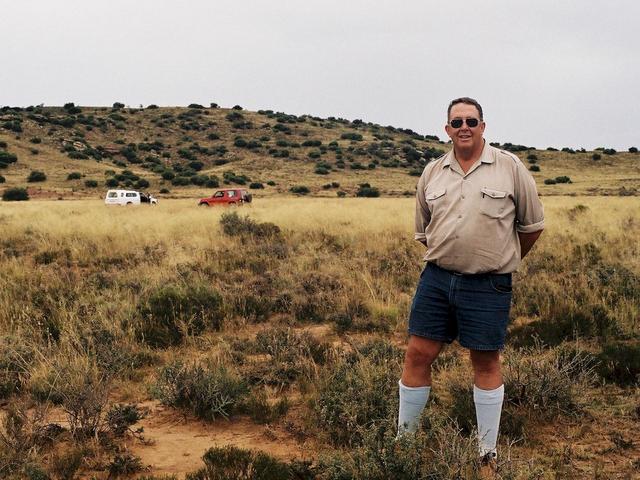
465, 137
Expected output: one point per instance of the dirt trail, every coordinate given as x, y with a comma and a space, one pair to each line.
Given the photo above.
178, 442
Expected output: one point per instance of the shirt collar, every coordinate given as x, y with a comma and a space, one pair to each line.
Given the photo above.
488, 155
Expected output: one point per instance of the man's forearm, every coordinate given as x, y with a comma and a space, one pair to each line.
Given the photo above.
527, 240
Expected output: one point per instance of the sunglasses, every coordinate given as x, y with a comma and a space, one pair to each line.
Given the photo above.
471, 122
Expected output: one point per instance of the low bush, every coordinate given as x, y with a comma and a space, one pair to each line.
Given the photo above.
596, 156
550, 181
172, 312
256, 185
233, 463
299, 190
36, 176
534, 168
619, 363
124, 464
120, 418
2, 179
633, 149
235, 225
90, 183
74, 176
15, 194
356, 137
352, 394
207, 390
366, 190
7, 158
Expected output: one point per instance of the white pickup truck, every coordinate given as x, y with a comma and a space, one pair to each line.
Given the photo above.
128, 197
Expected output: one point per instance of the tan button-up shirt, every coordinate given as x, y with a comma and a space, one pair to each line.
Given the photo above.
470, 221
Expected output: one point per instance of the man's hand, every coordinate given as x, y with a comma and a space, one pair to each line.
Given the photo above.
527, 240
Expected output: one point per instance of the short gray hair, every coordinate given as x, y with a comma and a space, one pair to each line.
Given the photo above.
468, 101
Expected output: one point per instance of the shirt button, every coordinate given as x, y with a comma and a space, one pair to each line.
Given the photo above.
459, 216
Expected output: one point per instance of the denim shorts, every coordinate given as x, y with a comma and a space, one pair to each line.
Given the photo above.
472, 308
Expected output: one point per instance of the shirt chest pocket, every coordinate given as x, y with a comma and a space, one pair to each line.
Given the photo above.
494, 203
435, 200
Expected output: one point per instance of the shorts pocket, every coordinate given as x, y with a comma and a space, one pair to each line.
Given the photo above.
494, 203
501, 283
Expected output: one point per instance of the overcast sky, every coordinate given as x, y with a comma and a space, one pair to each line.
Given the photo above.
548, 73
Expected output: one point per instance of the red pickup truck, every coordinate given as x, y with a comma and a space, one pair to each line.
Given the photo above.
227, 196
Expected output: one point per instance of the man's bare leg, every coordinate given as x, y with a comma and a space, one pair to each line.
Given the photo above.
415, 385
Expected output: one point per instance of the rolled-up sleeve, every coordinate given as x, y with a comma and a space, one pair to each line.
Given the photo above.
423, 216
529, 210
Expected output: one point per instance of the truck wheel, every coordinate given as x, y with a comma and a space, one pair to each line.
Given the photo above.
204, 204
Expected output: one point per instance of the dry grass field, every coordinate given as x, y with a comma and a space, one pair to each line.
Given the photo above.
172, 341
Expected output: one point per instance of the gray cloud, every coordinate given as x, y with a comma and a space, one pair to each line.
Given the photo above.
547, 73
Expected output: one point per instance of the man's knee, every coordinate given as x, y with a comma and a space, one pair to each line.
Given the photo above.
485, 362
422, 351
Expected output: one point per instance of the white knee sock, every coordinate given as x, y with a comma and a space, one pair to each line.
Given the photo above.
488, 409
412, 402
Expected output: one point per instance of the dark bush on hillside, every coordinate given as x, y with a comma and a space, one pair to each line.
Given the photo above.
633, 150
563, 179
321, 170
237, 107
111, 183
609, 151
534, 168
256, 185
196, 165
596, 156
15, 357
36, 140
208, 391
164, 190
231, 177
230, 462
36, 176
550, 181
619, 363
171, 312
366, 190
181, 181
71, 108
532, 157
6, 158
152, 107
299, 190
74, 176
356, 137
15, 194
311, 143
141, 184
90, 183
3, 144
168, 175
212, 182
235, 225
196, 106
118, 106
2, 179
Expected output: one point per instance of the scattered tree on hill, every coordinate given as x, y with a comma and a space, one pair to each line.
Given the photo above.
15, 194
36, 176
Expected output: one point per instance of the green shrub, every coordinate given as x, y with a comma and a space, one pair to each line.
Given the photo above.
356, 137
233, 463
261, 411
74, 176
2, 179
596, 156
124, 464
299, 190
235, 225
90, 183
111, 183
366, 190
353, 394
171, 312
208, 391
341, 194
619, 363
256, 185
563, 179
6, 158
120, 418
142, 184
550, 181
633, 149
36, 140
119, 106
15, 194
534, 168
164, 190
36, 176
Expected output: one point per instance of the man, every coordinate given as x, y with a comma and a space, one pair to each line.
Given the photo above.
478, 214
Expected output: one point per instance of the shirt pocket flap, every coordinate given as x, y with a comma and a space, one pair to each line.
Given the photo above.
493, 193
436, 194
